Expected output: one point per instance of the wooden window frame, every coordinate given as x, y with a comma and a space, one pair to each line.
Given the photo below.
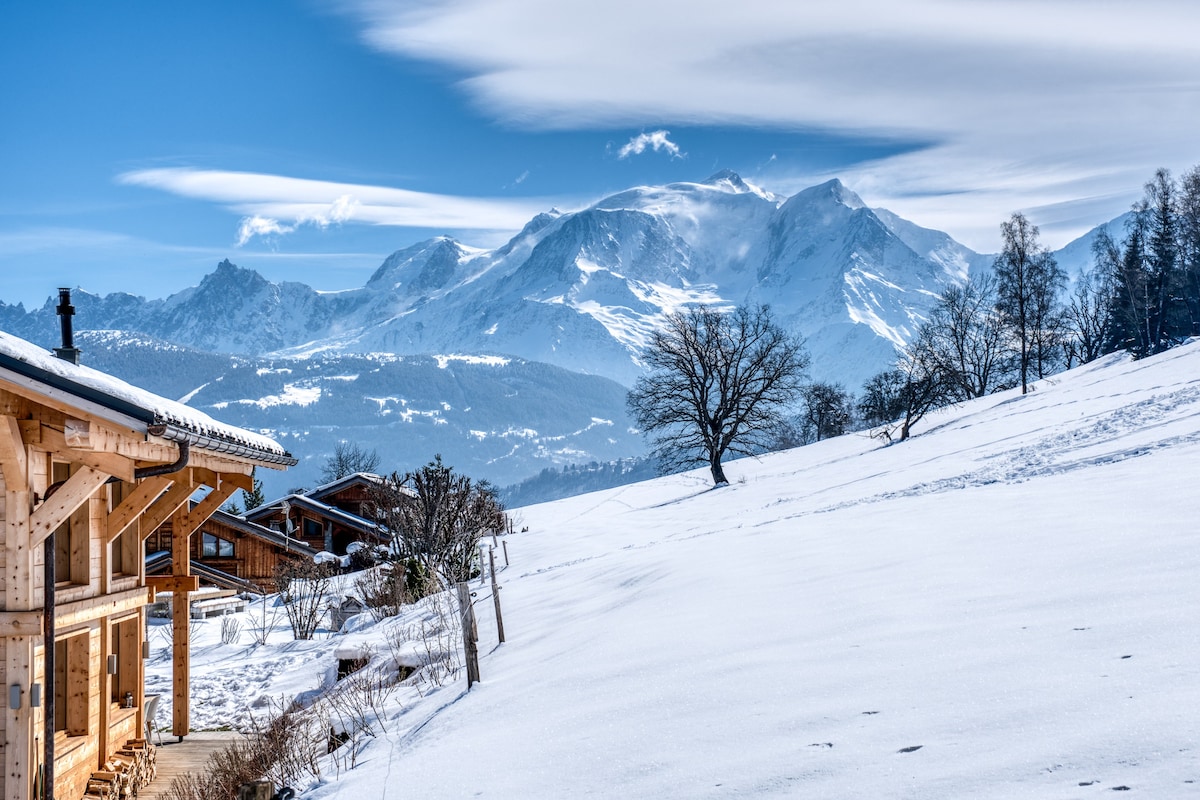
309, 522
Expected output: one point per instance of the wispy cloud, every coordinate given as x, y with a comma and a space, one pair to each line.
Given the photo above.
1023, 103
655, 140
275, 205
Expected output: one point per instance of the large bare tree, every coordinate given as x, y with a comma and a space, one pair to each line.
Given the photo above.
719, 384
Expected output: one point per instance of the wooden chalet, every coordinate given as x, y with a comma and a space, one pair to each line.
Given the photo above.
321, 523
89, 467
354, 494
230, 551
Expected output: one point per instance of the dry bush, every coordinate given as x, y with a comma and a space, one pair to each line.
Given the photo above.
282, 751
304, 590
264, 623
384, 590
434, 640
231, 630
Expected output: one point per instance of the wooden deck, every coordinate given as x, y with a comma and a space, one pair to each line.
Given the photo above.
176, 758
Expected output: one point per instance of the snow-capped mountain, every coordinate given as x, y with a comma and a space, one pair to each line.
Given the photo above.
583, 290
559, 315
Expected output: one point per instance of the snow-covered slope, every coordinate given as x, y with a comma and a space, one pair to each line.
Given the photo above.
1003, 606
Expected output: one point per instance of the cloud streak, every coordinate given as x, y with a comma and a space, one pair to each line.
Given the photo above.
275, 205
1025, 104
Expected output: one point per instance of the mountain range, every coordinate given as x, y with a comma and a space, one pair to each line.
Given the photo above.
563, 309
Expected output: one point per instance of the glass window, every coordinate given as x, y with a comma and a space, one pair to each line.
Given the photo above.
215, 547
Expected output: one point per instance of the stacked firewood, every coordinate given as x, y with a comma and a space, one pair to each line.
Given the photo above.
129, 769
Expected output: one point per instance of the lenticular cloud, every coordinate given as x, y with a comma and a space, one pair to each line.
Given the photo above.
655, 140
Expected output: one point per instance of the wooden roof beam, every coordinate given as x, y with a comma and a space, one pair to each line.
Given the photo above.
96, 451
133, 506
167, 505
188, 523
57, 508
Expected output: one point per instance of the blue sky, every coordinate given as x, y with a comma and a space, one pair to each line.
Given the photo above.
143, 142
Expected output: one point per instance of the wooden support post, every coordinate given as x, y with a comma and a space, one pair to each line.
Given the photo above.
20, 737
181, 566
505, 544
467, 618
496, 595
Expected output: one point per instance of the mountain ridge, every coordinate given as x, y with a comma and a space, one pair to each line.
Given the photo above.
583, 289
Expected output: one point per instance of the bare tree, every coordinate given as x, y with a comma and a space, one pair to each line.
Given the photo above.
897, 399
1088, 312
826, 410
347, 459
1028, 281
966, 337
1188, 206
439, 518
719, 383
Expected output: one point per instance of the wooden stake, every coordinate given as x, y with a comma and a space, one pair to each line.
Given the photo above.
467, 617
496, 595
505, 544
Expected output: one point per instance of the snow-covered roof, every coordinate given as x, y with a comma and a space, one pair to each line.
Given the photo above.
108, 397
262, 532
323, 509
368, 479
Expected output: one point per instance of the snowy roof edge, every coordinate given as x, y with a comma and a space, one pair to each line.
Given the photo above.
157, 415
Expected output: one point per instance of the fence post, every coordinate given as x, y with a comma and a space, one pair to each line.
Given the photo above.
505, 544
470, 634
496, 595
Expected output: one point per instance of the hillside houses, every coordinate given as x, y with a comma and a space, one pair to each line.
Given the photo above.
329, 518
230, 552
90, 467
243, 552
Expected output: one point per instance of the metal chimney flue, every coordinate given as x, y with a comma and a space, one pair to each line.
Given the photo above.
68, 351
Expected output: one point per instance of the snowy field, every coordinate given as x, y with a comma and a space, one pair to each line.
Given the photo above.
1005, 606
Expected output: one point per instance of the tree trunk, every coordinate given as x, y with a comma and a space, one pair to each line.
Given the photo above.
718, 472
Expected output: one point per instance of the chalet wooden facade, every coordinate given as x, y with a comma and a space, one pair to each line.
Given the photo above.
232, 552
89, 467
354, 494
329, 518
